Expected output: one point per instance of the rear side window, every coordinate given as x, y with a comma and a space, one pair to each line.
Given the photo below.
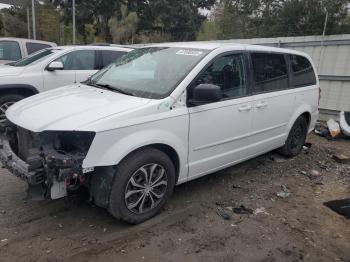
33, 47
108, 57
10, 50
302, 72
270, 72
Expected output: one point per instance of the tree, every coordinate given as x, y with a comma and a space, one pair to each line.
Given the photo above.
13, 22
179, 19
48, 23
273, 18
307, 17
123, 30
92, 12
207, 31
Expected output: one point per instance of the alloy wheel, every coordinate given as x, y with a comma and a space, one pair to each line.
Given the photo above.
146, 188
3, 109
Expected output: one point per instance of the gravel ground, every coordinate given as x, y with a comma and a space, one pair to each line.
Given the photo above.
295, 228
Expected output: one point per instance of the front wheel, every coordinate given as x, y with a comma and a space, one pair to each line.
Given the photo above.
142, 184
296, 138
5, 102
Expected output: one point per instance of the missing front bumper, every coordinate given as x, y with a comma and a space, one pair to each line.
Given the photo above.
32, 175
50, 162
42, 181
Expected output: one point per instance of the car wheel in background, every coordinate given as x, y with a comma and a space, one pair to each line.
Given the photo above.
5, 102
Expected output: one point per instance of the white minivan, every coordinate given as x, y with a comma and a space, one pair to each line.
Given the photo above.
160, 116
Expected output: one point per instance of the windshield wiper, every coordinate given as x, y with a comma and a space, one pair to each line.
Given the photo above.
111, 88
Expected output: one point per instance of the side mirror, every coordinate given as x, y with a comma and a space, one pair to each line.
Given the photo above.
206, 93
55, 65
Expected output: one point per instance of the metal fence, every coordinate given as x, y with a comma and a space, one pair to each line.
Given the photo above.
331, 54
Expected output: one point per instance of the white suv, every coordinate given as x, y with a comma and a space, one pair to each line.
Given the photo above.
13, 49
51, 68
160, 116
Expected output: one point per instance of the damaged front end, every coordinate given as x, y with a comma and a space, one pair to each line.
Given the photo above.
50, 161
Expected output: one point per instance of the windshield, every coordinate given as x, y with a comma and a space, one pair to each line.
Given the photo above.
10, 50
151, 72
35, 57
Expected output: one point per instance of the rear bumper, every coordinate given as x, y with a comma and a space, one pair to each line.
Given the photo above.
17, 166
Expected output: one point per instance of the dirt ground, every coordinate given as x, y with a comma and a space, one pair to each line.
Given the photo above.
296, 228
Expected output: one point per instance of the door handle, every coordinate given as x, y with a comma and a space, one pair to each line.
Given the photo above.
245, 108
261, 105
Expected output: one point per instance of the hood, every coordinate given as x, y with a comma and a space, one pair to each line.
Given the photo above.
7, 70
69, 108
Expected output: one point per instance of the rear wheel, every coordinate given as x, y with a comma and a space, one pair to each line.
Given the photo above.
5, 102
143, 183
296, 138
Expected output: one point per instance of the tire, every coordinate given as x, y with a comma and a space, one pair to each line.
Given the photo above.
5, 102
296, 138
130, 189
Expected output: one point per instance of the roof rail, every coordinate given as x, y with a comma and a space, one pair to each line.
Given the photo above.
115, 45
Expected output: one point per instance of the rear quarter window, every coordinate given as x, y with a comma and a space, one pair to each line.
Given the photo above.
33, 47
109, 56
303, 73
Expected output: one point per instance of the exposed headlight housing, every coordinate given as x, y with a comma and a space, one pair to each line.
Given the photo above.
67, 142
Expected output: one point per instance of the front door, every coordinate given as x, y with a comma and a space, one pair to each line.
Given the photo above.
219, 133
87, 65
78, 65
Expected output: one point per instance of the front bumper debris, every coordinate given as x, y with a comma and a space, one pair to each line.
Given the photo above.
50, 162
29, 173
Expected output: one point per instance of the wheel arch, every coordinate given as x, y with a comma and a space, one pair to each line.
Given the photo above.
105, 175
166, 149
305, 111
307, 116
18, 89
104, 153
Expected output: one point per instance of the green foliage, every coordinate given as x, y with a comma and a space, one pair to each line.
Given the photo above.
180, 19
48, 23
13, 22
273, 18
90, 33
135, 21
123, 30
153, 37
208, 31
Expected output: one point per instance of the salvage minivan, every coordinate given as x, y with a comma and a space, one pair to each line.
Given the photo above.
160, 116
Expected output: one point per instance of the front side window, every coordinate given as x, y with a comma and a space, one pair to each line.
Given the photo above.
10, 50
79, 60
152, 72
36, 57
302, 71
227, 72
270, 72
